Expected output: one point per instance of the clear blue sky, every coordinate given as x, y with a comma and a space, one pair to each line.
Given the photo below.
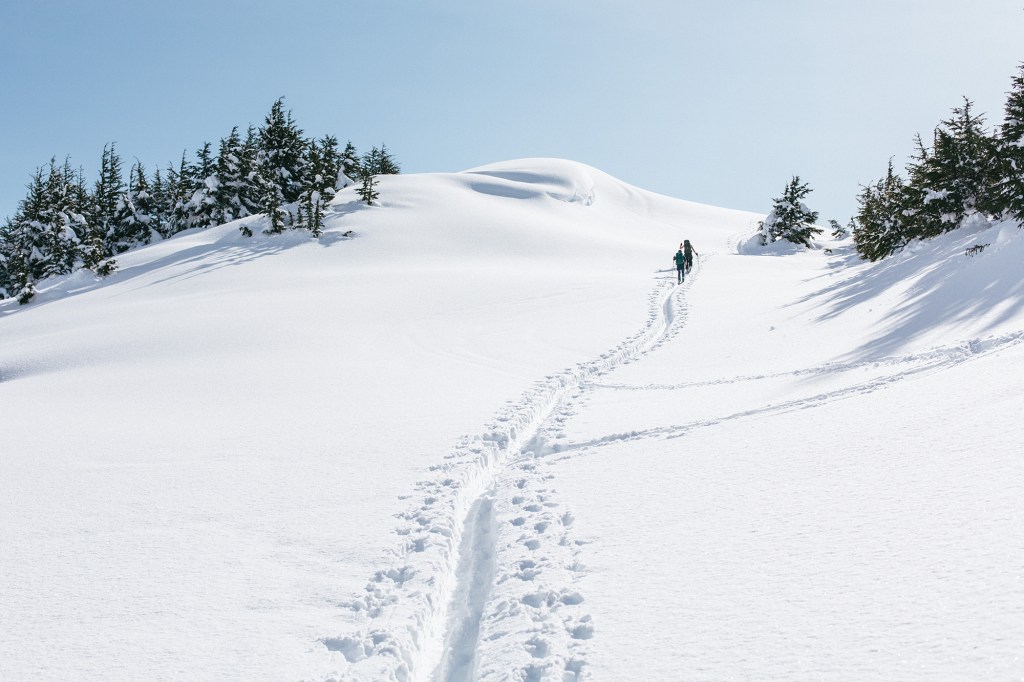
719, 103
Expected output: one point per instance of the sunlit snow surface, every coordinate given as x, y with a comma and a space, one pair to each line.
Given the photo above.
487, 436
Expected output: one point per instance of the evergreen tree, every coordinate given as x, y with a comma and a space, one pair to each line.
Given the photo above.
106, 197
1010, 187
350, 166
231, 181
956, 177
249, 170
882, 220
6, 253
183, 183
379, 162
367, 191
43, 239
322, 164
202, 205
281, 155
20, 235
63, 223
838, 231
135, 213
161, 191
790, 218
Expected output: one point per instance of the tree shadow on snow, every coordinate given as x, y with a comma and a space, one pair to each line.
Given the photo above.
228, 249
948, 287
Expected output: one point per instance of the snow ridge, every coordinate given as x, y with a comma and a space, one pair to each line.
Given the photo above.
485, 479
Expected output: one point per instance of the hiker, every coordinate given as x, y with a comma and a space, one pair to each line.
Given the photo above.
688, 253
680, 264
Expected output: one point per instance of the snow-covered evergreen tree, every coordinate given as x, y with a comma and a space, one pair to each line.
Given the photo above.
106, 198
63, 222
161, 191
955, 178
790, 219
183, 183
1010, 187
249, 170
322, 171
231, 181
202, 205
350, 166
882, 224
134, 213
44, 237
281, 155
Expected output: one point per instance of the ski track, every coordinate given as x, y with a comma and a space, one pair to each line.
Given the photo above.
929, 361
484, 586
487, 571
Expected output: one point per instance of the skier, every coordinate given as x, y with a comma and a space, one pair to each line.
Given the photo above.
688, 253
680, 264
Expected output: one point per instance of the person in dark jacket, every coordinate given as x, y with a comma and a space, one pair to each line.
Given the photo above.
680, 264
688, 253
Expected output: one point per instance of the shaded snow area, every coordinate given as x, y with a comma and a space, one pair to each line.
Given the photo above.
478, 432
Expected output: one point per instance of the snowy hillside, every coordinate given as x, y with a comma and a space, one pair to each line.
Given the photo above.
478, 432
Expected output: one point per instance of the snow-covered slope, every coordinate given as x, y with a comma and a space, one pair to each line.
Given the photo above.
486, 436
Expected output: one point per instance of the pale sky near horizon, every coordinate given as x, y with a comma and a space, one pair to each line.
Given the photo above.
719, 103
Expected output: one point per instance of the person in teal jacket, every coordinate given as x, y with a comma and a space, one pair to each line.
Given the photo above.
680, 264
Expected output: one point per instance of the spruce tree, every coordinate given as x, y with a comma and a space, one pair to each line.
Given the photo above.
1010, 186
231, 180
956, 178
838, 231
367, 191
272, 206
790, 218
21, 235
249, 170
882, 224
202, 204
379, 162
63, 223
350, 166
322, 169
281, 154
183, 182
139, 208
161, 191
106, 197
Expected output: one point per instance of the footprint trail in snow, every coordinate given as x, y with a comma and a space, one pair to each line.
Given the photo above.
488, 572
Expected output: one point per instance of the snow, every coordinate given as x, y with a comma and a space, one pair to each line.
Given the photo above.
478, 432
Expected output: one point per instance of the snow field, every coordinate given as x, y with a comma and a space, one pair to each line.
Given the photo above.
485, 436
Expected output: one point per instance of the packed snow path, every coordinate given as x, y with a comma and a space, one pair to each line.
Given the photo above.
485, 526
492, 582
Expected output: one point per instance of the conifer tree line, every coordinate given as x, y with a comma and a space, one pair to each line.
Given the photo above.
63, 225
967, 171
